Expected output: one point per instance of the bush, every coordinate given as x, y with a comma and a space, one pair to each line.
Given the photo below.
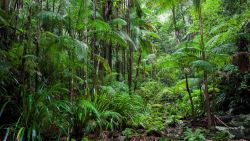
196, 135
36, 114
149, 90
128, 106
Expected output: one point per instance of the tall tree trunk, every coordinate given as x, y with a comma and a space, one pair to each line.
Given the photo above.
130, 57
124, 61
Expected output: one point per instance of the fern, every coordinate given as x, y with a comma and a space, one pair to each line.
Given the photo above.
197, 135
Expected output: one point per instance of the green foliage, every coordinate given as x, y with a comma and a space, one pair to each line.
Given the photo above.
128, 106
65, 65
233, 95
149, 90
128, 132
195, 135
107, 112
151, 120
220, 136
35, 115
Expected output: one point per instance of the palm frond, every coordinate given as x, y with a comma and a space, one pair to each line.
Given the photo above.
90, 107
3, 19
104, 62
99, 25
68, 43
203, 65
51, 18
128, 39
119, 22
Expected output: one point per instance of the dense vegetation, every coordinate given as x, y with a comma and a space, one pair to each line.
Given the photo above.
124, 70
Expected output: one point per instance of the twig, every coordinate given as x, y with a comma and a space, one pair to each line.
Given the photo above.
221, 121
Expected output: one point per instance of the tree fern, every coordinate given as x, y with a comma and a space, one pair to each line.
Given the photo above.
203, 65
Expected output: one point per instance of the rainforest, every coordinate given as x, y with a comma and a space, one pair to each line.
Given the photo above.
124, 70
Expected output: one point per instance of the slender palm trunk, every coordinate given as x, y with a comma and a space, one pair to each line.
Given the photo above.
124, 64
130, 57
117, 64
138, 68
117, 49
130, 71
94, 52
205, 76
175, 24
107, 12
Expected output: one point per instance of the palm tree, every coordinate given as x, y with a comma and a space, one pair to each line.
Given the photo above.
198, 7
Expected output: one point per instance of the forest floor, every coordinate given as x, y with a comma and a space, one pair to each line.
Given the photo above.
237, 127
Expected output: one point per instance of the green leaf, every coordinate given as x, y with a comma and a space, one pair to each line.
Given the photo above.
3, 107
20, 134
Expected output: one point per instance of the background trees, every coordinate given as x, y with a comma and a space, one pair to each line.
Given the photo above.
69, 68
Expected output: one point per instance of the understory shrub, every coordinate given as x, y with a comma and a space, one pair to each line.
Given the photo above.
195, 135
